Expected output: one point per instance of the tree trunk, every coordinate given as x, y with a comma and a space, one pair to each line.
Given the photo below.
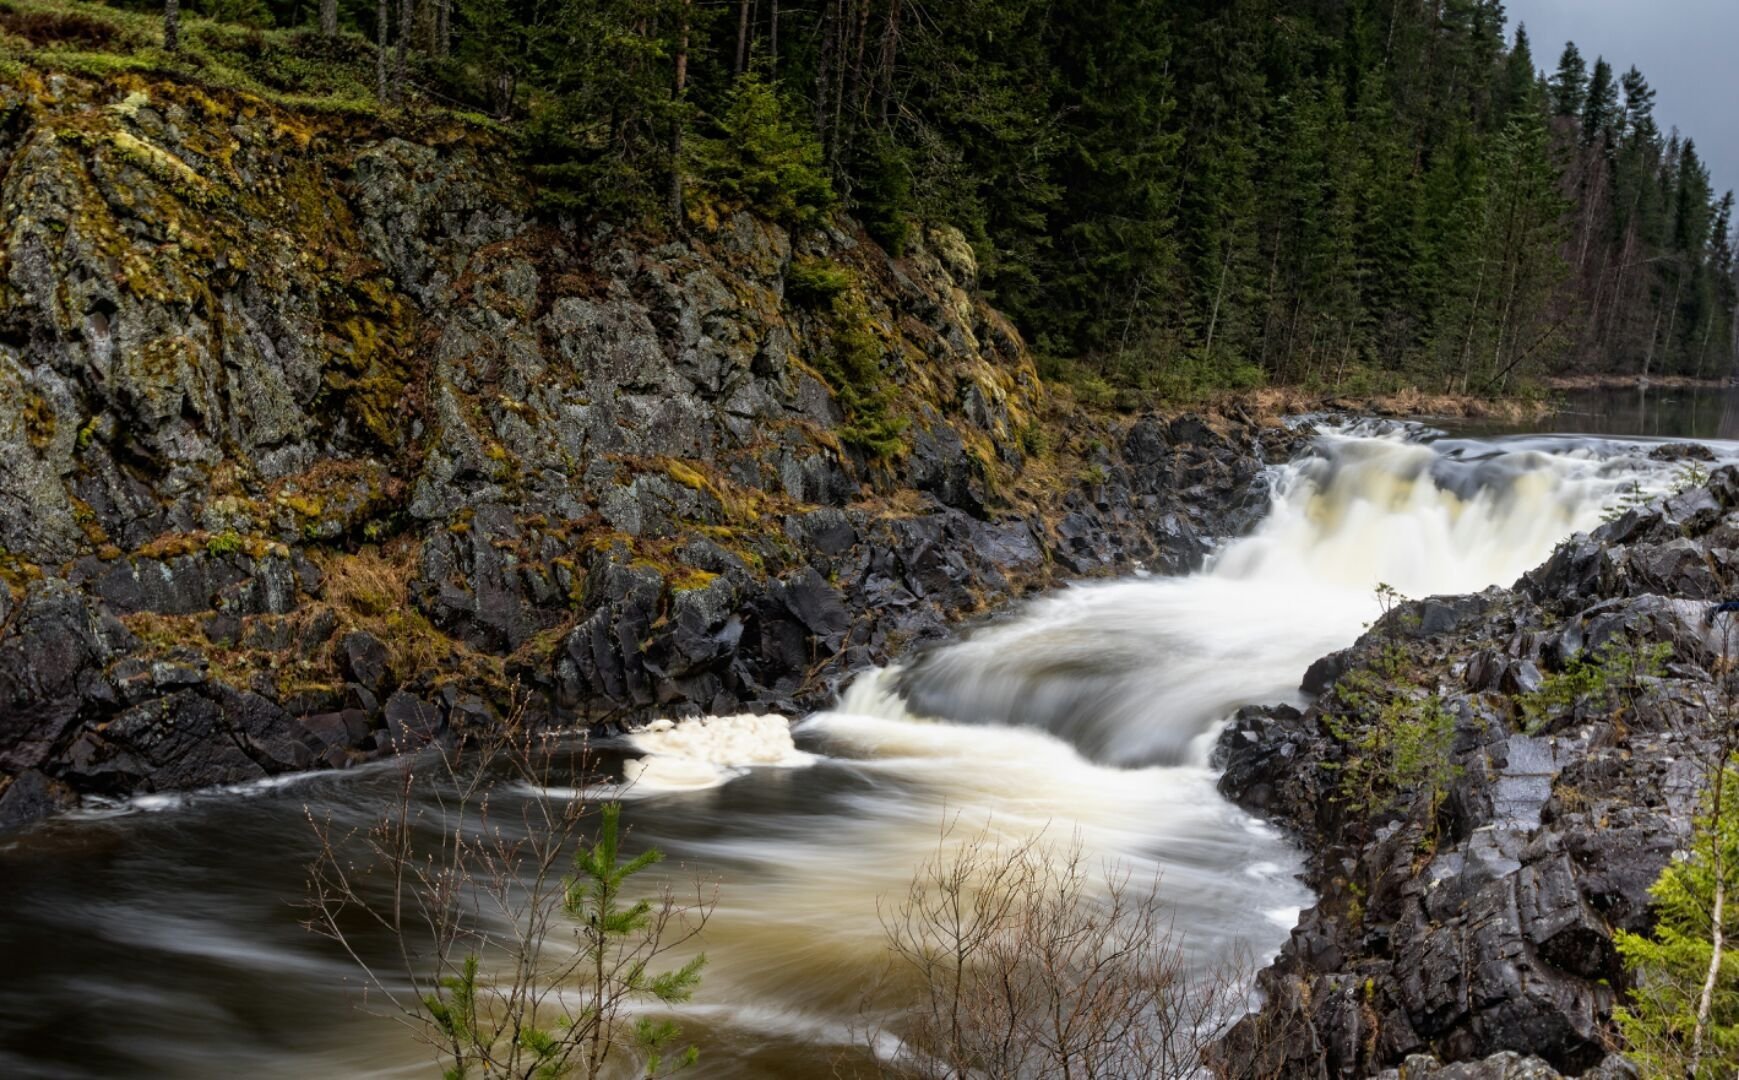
1589, 203
329, 18
859, 87
841, 43
1653, 335
1705, 1004
1732, 342
172, 25
380, 50
742, 36
678, 91
1219, 295
402, 76
824, 99
890, 51
444, 29
1703, 353
773, 40
1673, 318
1472, 320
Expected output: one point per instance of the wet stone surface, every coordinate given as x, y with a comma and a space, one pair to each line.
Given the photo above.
1481, 924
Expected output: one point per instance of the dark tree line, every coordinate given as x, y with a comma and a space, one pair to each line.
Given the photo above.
1165, 194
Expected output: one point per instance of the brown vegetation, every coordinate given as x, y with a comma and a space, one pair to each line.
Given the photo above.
1026, 960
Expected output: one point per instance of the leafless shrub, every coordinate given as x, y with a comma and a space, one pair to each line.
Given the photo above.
513, 950
1027, 960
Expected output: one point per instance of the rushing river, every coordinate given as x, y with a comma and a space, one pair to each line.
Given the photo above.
160, 938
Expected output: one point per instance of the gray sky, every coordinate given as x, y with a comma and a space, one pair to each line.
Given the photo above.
1685, 48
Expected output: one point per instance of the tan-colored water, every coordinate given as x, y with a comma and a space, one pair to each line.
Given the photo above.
158, 938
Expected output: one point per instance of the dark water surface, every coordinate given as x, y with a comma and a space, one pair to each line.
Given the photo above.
162, 938
1697, 413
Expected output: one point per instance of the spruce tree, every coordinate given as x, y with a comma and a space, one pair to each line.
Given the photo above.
1638, 105
1694, 906
614, 940
1171, 197
1570, 84
1520, 85
1600, 108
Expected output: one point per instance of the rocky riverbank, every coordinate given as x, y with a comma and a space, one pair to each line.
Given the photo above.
1467, 904
317, 439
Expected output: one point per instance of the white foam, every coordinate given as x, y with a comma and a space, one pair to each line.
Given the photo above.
707, 751
96, 808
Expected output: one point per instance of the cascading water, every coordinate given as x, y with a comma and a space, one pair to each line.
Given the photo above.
1135, 672
1090, 713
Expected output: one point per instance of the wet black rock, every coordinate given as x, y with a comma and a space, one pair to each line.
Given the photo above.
1682, 451
363, 659
412, 722
31, 795
441, 460
1508, 1065
1476, 924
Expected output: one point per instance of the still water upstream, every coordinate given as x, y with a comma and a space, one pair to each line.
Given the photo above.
161, 938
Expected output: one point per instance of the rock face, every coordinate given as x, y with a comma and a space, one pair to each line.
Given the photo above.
1469, 910
317, 440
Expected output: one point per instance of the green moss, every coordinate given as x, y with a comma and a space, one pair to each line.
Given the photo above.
684, 475
853, 370
169, 170
227, 542
1035, 441
735, 542
291, 68
688, 578
40, 422
815, 282
372, 379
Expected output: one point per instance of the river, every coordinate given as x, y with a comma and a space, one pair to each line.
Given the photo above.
160, 937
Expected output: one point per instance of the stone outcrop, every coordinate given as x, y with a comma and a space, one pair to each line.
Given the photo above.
316, 439
1471, 912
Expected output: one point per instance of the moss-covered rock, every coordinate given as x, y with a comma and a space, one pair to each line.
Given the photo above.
278, 375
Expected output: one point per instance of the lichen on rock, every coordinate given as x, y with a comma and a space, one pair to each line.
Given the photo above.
282, 383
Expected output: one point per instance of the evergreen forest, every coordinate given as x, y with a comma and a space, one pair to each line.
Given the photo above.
1168, 197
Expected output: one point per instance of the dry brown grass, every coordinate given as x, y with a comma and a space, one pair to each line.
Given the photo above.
369, 590
42, 28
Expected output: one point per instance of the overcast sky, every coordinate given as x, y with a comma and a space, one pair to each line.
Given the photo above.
1685, 48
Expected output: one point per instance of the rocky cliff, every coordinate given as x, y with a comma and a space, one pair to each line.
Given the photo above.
316, 437
1467, 909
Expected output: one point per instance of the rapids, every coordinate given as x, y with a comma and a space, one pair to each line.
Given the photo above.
159, 937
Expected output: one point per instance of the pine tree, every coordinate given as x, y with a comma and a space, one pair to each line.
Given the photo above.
1116, 170
1172, 197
